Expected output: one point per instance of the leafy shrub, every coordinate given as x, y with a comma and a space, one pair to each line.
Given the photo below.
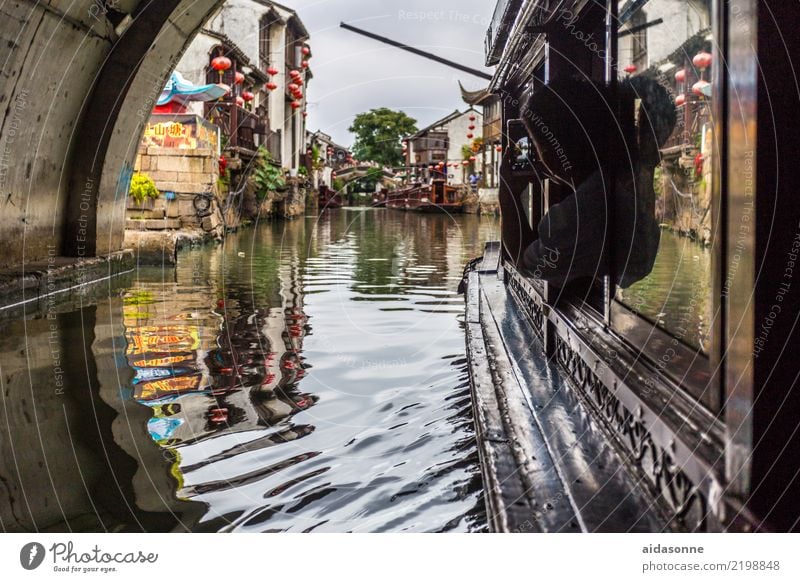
143, 188
267, 177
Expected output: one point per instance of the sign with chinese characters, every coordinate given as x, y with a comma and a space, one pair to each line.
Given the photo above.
167, 130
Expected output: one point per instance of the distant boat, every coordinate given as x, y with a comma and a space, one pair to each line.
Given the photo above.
329, 198
438, 196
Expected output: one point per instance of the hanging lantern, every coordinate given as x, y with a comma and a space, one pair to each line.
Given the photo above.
630, 69
221, 64
292, 87
238, 78
472, 158
471, 127
306, 51
298, 80
271, 86
218, 415
470, 136
680, 76
699, 88
472, 118
304, 64
247, 96
272, 71
498, 148
680, 100
294, 73
702, 60
465, 163
295, 104
223, 163
239, 101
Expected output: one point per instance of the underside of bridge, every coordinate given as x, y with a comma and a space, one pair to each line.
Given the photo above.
79, 80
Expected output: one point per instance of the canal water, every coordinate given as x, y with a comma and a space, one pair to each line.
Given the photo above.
304, 376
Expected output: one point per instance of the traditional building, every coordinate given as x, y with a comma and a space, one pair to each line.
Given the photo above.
439, 149
268, 44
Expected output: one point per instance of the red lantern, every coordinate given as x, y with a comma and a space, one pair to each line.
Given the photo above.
472, 158
247, 96
292, 87
702, 60
498, 148
472, 118
239, 101
465, 163
304, 64
220, 64
271, 86
223, 163
680, 100
680, 76
471, 127
469, 136
295, 104
298, 80
630, 69
294, 73
306, 51
272, 71
218, 415
238, 78
698, 87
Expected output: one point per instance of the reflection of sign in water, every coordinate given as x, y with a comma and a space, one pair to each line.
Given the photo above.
160, 388
163, 361
180, 131
163, 338
147, 374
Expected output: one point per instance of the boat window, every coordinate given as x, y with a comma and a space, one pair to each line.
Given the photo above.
671, 42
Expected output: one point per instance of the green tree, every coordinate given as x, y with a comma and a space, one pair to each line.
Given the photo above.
378, 133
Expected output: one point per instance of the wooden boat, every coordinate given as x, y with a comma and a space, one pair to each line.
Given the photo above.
598, 406
329, 198
441, 197
432, 198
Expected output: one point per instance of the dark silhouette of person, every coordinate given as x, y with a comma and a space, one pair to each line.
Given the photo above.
604, 147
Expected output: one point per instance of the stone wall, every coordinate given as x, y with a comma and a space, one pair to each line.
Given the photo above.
159, 227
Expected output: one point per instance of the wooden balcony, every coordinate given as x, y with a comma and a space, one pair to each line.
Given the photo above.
239, 126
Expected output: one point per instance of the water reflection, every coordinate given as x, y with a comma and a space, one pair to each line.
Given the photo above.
311, 376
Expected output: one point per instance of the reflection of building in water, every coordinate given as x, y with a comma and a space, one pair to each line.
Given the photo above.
208, 366
672, 41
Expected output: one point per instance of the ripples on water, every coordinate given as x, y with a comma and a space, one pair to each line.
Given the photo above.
311, 375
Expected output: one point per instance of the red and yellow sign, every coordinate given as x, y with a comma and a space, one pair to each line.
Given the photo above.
168, 387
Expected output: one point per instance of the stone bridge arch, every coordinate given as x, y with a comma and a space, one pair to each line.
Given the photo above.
79, 80
351, 173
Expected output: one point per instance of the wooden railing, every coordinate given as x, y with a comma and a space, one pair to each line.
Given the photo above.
238, 125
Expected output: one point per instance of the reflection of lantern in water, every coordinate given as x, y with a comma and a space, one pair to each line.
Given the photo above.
702, 60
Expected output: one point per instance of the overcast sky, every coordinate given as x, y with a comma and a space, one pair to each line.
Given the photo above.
353, 73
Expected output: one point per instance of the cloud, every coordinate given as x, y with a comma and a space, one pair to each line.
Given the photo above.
354, 74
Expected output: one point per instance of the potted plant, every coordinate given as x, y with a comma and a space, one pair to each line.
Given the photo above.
143, 190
